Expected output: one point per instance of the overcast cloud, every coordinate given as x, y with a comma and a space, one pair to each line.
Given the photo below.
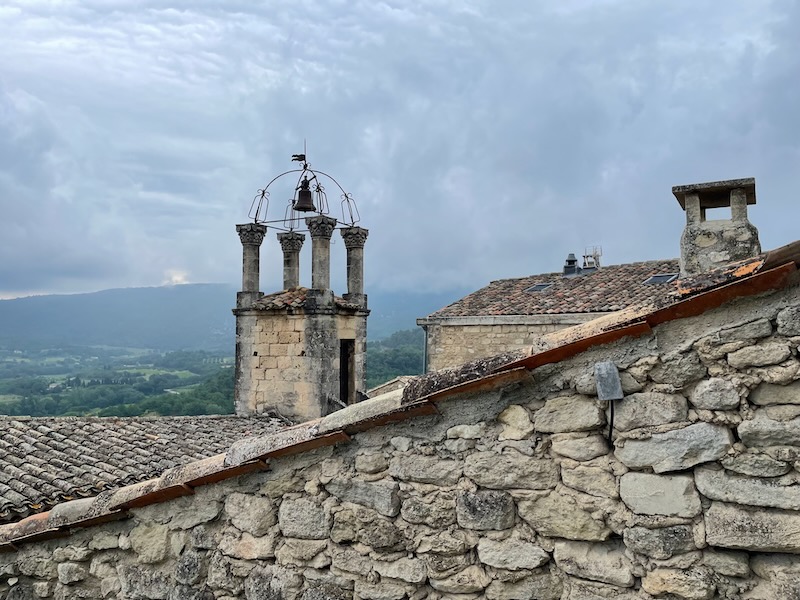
480, 139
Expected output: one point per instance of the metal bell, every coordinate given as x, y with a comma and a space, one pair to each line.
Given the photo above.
304, 202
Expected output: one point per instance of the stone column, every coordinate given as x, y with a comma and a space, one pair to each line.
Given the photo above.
251, 236
321, 228
291, 243
738, 205
694, 214
354, 240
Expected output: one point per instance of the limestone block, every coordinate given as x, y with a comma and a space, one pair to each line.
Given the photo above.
301, 553
766, 394
485, 510
789, 321
441, 566
693, 584
678, 370
380, 591
678, 449
437, 509
149, 541
344, 558
511, 470
104, 540
763, 432
604, 562
756, 530
769, 353
448, 542
412, 570
426, 469
380, 496
581, 589
579, 448
471, 579
516, 423
715, 394
302, 518
467, 432
782, 571
373, 462
251, 513
782, 374
542, 586
756, 465
248, 547
660, 543
569, 413
590, 480
70, 572
72, 554
670, 495
732, 564
380, 534
753, 491
647, 409
558, 515
511, 554
143, 582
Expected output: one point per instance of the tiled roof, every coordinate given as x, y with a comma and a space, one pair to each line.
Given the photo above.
46, 460
294, 298
607, 289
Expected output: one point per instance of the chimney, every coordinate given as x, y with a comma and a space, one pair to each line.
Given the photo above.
708, 244
354, 240
321, 228
251, 236
571, 266
291, 243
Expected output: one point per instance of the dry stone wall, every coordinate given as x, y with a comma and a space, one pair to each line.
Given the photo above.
515, 493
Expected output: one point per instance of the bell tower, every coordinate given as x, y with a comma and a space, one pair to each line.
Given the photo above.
300, 351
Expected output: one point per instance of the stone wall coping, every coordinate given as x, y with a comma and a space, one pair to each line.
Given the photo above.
774, 271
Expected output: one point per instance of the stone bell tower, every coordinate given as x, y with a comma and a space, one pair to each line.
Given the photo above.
301, 351
707, 244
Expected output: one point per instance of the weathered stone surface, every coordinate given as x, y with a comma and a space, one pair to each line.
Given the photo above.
762, 432
485, 510
303, 519
69, 572
104, 540
143, 582
660, 543
678, 449
372, 462
437, 509
754, 491
448, 542
466, 432
541, 586
582, 589
471, 579
569, 413
604, 562
72, 553
759, 530
678, 370
670, 495
299, 552
782, 571
756, 465
426, 469
511, 470
789, 321
189, 568
769, 353
715, 394
732, 564
693, 584
380, 533
516, 423
557, 515
346, 559
247, 547
381, 496
411, 570
581, 448
766, 394
149, 541
590, 480
512, 554
251, 513
647, 409
754, 330
380, 591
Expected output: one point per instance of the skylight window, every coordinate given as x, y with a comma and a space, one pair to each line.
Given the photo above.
539, 287
661, 278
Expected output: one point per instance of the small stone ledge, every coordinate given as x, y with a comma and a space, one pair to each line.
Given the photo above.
361, 411
259, 447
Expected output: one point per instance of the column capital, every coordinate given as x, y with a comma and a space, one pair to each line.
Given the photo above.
354, 237
291, 241
321, 226
251, 233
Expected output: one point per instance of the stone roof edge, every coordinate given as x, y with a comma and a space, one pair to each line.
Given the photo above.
575, 318
772, 271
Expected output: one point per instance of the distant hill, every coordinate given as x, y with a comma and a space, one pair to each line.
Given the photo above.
192, 316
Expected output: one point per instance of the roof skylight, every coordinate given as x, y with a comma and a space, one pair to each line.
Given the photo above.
538, 287
661, 278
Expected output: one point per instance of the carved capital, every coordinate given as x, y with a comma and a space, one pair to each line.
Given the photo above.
354, 237
321, 226
291, 241
251, 233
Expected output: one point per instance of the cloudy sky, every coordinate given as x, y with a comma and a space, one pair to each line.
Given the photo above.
480, 139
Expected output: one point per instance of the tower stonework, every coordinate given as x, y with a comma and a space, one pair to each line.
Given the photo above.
301, 351
707, 244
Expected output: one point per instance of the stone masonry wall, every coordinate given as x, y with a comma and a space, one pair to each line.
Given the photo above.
514, 493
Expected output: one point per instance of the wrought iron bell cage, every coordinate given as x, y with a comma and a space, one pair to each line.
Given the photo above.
309, 198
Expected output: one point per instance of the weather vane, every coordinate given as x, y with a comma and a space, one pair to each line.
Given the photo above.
308, 197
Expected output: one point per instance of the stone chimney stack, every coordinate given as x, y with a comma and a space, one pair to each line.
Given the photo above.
708, 244
354, 240
321, 229
291, 243
251, 236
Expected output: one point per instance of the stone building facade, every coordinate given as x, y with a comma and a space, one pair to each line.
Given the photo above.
502, 480
511, 314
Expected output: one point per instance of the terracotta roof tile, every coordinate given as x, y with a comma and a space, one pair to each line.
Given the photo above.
608, 289
46, 460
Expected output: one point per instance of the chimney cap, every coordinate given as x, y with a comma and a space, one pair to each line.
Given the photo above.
716, 194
